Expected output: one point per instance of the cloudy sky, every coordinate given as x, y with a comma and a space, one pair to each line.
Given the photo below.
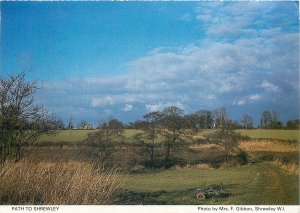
123, 59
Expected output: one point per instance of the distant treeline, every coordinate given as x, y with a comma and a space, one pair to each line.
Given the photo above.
23, 120
206, 119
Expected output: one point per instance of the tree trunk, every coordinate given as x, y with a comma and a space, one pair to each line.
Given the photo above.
152, 159
167, 154
152, 153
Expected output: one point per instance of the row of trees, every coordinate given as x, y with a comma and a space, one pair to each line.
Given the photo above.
216, 119
162, 133
209, 119
168, 125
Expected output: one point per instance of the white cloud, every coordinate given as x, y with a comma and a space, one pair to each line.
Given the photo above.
212, 72
254, 98
244, 19
102, 101
248, 100
128, 108
154, 107
188, 74
225, 87
160, 106
211, 97
240, 103
204, 17
269, 86
225, 71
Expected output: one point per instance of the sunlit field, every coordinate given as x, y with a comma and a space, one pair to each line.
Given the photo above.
262, 183
293, 135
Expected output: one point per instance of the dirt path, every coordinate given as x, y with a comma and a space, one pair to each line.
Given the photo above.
282, 188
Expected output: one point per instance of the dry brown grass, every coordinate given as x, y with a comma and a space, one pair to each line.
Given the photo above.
176, 167
203, 166
138, 167
290, 168
204, 146
60, 183
188, 165
270, 146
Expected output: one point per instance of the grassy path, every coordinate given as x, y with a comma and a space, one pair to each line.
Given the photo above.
256, 184
284, 188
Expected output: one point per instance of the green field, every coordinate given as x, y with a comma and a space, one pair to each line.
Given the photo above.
80, 135
276, 134
66, 136
292, 135
260, 183
75, 135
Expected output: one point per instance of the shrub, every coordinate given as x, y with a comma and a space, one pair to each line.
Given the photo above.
229, 140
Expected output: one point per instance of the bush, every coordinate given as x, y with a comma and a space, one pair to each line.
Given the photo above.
242, 157
229, 140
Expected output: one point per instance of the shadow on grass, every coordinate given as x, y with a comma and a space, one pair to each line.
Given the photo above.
148, 171
162, 197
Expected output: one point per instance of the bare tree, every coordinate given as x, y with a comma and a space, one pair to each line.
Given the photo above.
206, 118
172, 124
270, 120
275, 122
202, 119
247, 121
106, 140
70, 124
229, 140
221, 119
147, 140
266, 119
82, 124
22, 121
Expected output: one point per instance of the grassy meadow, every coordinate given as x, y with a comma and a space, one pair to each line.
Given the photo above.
271, 175
279, 134
69, 136
262, 183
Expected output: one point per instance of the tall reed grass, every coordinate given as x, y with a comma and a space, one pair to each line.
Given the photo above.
269, 145
290, 168
57, 183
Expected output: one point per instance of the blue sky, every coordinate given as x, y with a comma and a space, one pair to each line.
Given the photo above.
123, 59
